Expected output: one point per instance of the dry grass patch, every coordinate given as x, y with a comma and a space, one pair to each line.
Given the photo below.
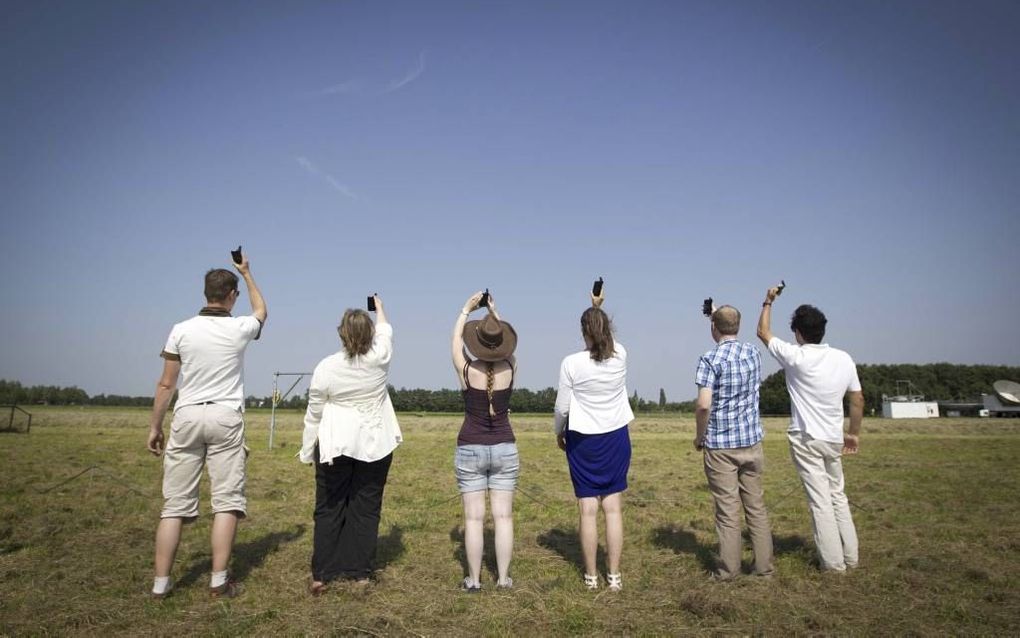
935, 508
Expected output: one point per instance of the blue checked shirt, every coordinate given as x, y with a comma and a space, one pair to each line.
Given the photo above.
732, 370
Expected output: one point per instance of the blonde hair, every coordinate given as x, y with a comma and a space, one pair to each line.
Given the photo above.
597, 329
356, 332
726, 320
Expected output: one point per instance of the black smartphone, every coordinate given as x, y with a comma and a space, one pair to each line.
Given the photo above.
706, 307
371, 303
596, 288
236, 255
485, 299
782, 284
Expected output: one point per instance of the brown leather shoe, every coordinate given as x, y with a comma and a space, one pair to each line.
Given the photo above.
154, 596
229, 589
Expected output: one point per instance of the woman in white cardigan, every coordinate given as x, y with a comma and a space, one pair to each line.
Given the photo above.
350, 433
592, 416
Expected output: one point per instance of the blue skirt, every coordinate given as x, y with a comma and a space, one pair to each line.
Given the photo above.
598, 462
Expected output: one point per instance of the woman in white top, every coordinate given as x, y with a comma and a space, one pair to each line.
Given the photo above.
592, 414
350, 433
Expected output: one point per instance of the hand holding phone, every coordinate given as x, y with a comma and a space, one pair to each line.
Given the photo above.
235, 255
706, 307
371, 303
484, 303
779, 289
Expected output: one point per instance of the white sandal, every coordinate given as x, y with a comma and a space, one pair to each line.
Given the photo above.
591, 582
615, 581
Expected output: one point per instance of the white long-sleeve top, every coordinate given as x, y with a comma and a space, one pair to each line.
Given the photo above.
593, 394
349, 409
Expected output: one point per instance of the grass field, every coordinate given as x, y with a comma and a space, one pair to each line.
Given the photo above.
935, 505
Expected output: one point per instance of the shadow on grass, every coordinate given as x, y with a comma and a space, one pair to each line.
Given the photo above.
390, 548
682, 541
567, 544
488, 557
246, 556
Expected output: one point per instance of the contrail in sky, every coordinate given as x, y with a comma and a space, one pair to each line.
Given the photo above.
312, 169
411, 76
355, 87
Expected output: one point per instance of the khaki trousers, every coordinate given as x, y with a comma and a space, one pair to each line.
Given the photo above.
734, 478
210, 435
820, 466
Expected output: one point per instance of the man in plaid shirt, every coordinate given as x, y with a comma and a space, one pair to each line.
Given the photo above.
730, 434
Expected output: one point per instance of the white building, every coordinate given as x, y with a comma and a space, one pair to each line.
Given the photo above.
892, 408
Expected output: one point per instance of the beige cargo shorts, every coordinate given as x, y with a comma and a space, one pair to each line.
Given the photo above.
211, 435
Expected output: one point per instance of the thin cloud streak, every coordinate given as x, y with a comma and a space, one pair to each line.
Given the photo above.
314, 170
413, 75
355, 87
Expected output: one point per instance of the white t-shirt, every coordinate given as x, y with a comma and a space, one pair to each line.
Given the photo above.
817, 377
349, 408
211, 351
593, 394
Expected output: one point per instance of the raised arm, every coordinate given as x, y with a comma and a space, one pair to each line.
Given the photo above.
258, 304
380, 312
765, 319
460, 361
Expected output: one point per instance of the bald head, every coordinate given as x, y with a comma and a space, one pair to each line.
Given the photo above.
726, 321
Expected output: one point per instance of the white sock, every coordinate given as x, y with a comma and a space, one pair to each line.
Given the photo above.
218, 578
161, 584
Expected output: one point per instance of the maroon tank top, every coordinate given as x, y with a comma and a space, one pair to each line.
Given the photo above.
479, 426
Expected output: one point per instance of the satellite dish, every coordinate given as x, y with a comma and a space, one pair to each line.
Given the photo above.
1008, 391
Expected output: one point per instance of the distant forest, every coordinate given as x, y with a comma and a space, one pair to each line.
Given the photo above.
936, 381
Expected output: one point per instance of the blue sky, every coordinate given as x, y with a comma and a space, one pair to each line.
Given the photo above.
866, 152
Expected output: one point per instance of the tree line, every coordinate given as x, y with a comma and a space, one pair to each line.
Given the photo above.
936, 381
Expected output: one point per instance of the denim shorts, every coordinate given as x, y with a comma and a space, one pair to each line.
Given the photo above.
481, 467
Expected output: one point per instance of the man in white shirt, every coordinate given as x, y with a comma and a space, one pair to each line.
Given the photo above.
207, 353
817, 378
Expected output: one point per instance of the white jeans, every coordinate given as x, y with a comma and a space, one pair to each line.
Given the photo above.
820, 466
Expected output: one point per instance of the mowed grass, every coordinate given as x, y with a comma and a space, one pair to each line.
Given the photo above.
935, 505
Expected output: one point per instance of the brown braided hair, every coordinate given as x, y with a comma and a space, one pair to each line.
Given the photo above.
597, 328
490, 377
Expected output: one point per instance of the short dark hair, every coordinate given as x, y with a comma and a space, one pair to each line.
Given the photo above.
218, 284
809, 322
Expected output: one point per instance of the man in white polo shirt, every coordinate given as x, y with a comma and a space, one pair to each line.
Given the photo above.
817, 378
207, 353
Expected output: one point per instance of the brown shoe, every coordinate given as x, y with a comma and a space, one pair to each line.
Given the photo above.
229, 589
154, 596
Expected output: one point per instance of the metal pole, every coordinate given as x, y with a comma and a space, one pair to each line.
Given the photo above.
272, 417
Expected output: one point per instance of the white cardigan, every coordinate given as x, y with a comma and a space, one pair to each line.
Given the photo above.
593, 394
349, 409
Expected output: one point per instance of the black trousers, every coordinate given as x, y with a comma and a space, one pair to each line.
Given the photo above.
348, 502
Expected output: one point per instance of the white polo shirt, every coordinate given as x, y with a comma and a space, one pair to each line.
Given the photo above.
593, 394
211, 348
817, 377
